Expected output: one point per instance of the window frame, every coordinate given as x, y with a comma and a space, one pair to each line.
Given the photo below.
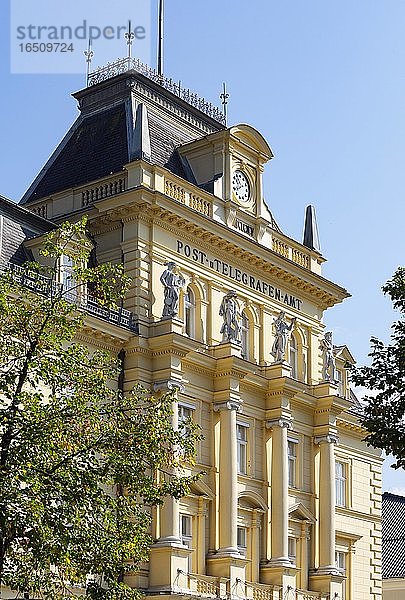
242, 547
294, 348
293, 460
292, 544
187, 538
190, 306
245, 333
341, 481
242, 448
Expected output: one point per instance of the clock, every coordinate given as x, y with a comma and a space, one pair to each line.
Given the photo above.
240, 186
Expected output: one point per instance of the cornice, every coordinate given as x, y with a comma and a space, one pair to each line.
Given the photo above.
238, 374
208, 241
353, 427
176, 217
96, 339
199, 369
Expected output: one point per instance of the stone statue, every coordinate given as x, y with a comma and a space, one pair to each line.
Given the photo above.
282, 333
329, 363
229, 311
172, 283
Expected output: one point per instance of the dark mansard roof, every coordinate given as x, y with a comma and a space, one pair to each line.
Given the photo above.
393, 536
101, 140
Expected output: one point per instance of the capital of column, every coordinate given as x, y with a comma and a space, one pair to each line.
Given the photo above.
167, 385
286, 422
330, 438
228, 405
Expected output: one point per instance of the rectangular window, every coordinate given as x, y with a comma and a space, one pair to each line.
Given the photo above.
67, 277
292, 549
341, 382
341, 560
241, 436
340, 482
241, 537
185, 413
292, 463
186, 536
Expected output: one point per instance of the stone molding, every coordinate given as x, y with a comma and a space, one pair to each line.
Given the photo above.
329, 438
286, 422
167, 385
228, 405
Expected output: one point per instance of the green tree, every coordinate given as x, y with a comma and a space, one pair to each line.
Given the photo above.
80, 463
383, 413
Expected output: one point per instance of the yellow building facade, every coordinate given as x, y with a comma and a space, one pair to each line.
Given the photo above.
229, 312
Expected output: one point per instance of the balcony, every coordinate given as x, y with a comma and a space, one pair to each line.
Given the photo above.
85, 302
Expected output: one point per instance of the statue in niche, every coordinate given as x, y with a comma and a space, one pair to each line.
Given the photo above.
229, 311
329, 363
172, 282
282, 332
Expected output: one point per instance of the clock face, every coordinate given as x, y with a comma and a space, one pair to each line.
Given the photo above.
240, 186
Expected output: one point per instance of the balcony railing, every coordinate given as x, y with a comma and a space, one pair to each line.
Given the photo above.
85, 301
185, 196
288, 250
306, 595
205, 586
124, 65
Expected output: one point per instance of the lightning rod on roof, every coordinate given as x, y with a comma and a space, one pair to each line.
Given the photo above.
160, 38
129, 36
89, 57
224, 97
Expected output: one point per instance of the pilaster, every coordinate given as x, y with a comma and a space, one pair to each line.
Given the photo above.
278, 570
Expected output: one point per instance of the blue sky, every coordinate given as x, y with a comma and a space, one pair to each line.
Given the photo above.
324, 82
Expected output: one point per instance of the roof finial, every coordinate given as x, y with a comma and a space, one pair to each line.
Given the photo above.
160, 40
89, 56
311, 235
224, 97
129, 36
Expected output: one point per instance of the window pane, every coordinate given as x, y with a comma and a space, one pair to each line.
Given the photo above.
245, 336
241, 436
292, 549
292, 462
341, 560
241, 540
340, 481
189, 312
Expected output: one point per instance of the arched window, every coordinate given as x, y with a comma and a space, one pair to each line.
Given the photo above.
294, 357
189, 312
245, 336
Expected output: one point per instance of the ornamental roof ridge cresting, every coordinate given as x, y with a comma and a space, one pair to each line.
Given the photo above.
227, 270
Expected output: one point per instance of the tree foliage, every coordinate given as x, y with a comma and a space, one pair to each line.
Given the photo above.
384, 410
81, 464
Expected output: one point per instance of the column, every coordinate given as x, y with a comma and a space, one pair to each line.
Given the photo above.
279, 491
201, 536
327, 503
170, 511
228, 480
303, 564
255, 547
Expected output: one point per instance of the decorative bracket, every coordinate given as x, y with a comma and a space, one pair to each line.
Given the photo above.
228, 405
280, 422
167, 385
330, 438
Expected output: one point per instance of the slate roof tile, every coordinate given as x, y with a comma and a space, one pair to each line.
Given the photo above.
393, 536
